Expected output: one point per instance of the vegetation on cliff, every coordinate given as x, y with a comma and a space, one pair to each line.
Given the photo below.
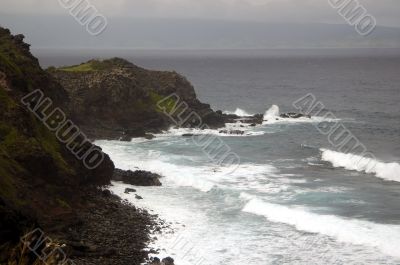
43, 185
39, 177
116, 99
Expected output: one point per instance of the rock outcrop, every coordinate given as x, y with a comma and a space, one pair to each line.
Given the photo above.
137, 178
232, 132
115, 99
294, 115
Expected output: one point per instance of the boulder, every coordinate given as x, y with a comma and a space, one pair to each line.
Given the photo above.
255, 119
149, 136
129, 190
137, 178
106, 193
168, 261
155, 261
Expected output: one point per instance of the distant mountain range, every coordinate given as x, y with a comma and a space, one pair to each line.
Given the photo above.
65, 32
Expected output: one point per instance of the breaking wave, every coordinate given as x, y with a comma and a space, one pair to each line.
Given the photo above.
272, 116
239, 112
384, 237
387, 171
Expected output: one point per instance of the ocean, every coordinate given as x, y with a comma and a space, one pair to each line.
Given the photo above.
295, 198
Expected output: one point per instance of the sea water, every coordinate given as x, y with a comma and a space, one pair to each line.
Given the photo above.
294, 198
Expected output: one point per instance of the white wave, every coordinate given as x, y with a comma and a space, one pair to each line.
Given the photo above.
384, 237
246, 128
387, 171
272, 113
262, 178
272, 116
314, 119
239, 112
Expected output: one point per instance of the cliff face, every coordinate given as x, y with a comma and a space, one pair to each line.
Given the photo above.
115, 98
40, 180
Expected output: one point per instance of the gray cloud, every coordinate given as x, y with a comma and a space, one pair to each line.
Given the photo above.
300, 11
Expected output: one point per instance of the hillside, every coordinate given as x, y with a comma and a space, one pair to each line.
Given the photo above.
44, 186
115, 99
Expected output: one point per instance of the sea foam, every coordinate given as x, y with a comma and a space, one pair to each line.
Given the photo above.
272, 116
245, 128
384, 237
387, 171
239, 112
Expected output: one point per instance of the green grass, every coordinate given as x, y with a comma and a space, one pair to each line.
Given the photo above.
51, 145
93, 65
168, 104
86, 67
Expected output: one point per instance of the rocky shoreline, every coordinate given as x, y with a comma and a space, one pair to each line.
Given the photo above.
42, 183
109, 231
45, 188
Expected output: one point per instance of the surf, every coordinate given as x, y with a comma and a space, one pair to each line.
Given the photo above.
384, 237
383, 170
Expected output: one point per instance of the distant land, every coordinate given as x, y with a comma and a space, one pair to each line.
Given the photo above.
64, 32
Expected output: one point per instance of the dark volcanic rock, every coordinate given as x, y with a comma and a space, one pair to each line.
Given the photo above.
233, 132
256, 119
232, 118
129, 190
116, 99
149, 136
168, 261
155, 261
110, 232
137, 178
294, 115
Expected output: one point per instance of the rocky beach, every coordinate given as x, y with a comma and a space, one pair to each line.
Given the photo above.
44, 187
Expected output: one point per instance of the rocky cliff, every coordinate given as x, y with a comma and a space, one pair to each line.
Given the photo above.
115, 98
42, 184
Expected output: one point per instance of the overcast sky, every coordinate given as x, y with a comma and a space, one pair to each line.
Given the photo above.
303, 11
